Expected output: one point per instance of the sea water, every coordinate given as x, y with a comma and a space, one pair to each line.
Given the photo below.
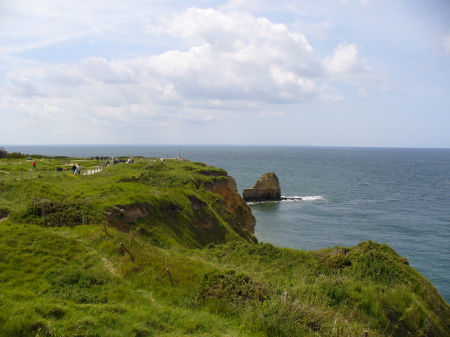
400, 197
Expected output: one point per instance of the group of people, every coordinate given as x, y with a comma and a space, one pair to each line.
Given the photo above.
76, 169
122, 160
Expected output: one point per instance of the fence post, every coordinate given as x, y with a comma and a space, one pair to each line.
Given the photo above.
20, 174
126, 250
10, 174
56, 171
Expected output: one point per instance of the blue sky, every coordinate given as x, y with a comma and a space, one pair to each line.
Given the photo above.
289, 72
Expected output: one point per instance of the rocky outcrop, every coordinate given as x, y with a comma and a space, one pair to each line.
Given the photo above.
266, 188
235, 204
232, 184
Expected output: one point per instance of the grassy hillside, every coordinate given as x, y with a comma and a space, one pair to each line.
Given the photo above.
148, 250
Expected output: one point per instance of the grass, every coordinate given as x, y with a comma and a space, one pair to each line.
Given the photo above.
44, 166
193, 271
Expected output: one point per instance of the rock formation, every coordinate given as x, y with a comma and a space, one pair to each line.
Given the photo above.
232, 184
266, 188
235, 204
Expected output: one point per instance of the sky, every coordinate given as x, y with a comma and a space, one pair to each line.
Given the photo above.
369, 73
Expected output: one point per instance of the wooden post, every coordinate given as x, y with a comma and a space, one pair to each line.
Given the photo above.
20, 174
284, 297
106, 229
82, 215
170, 276
366, 333
126, 250
10, 174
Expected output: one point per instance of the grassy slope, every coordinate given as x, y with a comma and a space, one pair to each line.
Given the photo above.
76, 280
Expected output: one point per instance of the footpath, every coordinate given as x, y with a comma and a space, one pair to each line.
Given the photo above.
34, 173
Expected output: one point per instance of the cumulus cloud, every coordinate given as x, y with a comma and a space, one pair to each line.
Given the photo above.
345, 61
233, 62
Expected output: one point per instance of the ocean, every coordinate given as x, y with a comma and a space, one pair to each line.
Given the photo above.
400, 197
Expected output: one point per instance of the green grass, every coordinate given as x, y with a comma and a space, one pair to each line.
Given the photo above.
192, 272
44, 166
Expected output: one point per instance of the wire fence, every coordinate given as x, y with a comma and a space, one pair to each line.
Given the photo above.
56, 172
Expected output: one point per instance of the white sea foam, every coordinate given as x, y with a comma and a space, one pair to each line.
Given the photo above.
290, 199
305, 198
313, 198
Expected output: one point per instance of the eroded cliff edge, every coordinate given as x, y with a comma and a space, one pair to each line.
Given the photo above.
206, 209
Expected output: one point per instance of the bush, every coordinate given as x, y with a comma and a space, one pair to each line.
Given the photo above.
58, 214
3, 153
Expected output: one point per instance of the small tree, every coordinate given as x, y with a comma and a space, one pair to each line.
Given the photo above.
3, 153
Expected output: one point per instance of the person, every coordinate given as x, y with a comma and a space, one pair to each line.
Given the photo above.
34, 165
79, 169
74, 169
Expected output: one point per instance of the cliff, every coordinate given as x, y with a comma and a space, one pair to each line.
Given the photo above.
235, 204
117, 254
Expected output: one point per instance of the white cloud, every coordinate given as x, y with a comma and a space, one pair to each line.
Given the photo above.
345, 61
229, 63
237, 58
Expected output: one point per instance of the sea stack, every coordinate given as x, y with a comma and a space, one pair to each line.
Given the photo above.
267, 188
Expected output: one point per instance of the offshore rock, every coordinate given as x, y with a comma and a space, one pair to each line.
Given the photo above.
267, 188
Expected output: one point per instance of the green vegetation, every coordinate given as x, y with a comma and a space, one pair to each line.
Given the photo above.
147, 249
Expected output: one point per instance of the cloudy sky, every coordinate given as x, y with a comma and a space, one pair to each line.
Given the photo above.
284, 72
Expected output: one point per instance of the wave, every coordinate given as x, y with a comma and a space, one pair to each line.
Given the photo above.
289, 199
305, 198
313, 198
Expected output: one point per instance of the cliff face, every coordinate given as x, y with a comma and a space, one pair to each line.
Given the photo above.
235, 204
266, 188
206, 209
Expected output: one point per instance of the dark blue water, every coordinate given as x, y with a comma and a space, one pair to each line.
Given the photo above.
396, 196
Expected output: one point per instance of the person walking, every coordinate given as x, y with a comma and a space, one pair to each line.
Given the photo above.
74, 169
34, 165
79, 169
